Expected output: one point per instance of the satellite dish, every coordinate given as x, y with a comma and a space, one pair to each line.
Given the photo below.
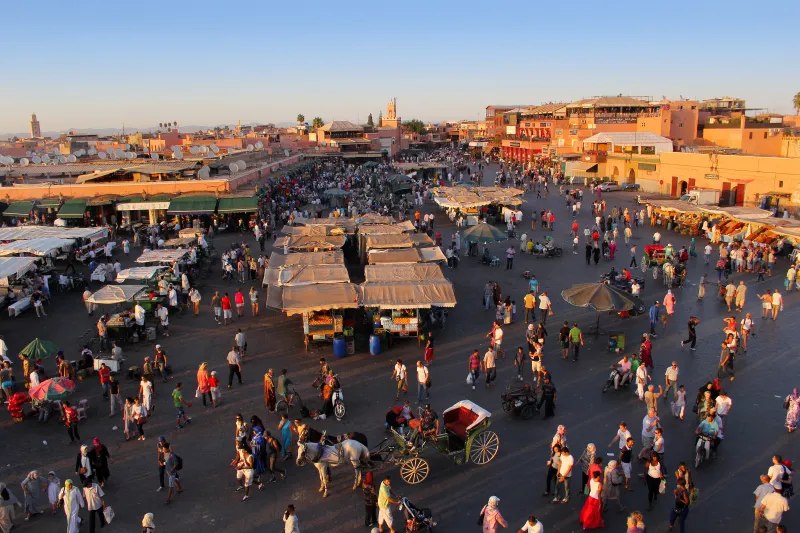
177, 155
120, 153
131, 155
71, 158
234, 168
46, 159
231, 150
241, 164
324, 143
154, 157
259, 145
102, 155
250, 148
92, 151
194, 149
127, 146
24, 162
204, 172
297, 138
215, 148
204, 149
286, 153
62, 159
110, 151
37, 160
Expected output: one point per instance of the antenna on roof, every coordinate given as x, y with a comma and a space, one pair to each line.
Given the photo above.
154, 156
102, 155
37, 160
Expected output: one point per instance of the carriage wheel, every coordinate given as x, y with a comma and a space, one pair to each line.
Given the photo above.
415, 470
484, 447
645, 263
339, 410
527, 412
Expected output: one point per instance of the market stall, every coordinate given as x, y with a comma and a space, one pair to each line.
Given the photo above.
322, 306
147, 274
305, 275
384, 242
12, 268
313, 243
402, 308
162, 256
277, 260
42, 247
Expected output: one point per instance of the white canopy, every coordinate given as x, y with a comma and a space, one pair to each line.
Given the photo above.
15, 266
39, 232
139, 273
41, 247
482, 413
162, 256
115, 294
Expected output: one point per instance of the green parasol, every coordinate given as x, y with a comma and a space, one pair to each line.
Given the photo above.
336, 193
39, 349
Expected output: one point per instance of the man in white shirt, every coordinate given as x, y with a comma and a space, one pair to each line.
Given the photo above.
624, 374
139, 314
531, 526
498, 339
771, 510
34, 377
649, 425
707, 253
564, 474
671, 379
641, 380
636, 289
622, 436
422, 381
163, 316
544, 306
724, 404
776, 472
94, 503
777, 304
656, 238
4, 350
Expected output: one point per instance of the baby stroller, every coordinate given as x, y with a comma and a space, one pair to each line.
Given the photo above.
416, 519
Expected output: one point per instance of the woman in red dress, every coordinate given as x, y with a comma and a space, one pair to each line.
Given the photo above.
645, 352
591, 514
429, 350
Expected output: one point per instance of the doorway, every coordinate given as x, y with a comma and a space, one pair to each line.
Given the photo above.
684, 188
632, 176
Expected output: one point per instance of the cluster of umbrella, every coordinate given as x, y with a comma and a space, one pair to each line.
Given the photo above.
50, 389
484, 233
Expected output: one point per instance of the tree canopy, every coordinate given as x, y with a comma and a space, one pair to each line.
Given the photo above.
370, 123
317, 123
414, 126
300, 118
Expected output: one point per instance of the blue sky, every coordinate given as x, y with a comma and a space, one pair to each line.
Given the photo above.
99, 64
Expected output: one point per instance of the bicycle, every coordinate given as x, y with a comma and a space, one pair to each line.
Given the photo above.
283, 406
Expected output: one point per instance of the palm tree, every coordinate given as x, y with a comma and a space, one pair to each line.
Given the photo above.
796, 103
300, 118
317, 123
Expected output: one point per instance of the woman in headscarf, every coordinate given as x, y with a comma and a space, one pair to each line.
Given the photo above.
592, 514
492, 519
53, 488
269, 390
83, 464
705, 405
586, 460
7, 503
73, 501
646, 352
99, 456
148, 526
613, 478
792, 404
32, 489
128, 424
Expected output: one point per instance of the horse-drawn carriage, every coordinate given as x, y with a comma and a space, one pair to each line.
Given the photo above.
521, 401
465, 438
656, 257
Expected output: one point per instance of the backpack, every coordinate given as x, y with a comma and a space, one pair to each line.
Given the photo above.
178, 463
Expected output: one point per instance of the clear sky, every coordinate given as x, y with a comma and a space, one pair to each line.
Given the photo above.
96, 64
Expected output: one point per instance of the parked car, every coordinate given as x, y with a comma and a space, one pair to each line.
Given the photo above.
631, 186
608, 186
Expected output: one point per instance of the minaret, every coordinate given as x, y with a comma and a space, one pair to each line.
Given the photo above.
36, 130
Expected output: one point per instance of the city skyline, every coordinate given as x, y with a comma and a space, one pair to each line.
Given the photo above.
97, 66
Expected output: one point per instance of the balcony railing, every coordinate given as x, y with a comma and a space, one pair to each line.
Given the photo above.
524, 138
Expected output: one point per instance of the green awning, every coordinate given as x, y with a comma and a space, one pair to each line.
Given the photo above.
192, 205
237, 205
72, 208
19, 209
48, 203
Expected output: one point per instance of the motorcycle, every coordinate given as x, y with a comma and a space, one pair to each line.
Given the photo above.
616, 372
338, 403
703, 451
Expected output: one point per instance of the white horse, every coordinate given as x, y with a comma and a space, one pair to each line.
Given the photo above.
324, 457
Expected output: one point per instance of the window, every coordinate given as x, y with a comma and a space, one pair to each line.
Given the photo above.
644, 125
648, 150
765, 134
751, 135
680, 125
694, 107
780, 184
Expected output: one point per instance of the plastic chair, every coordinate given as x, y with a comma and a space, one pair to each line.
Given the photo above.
83, 405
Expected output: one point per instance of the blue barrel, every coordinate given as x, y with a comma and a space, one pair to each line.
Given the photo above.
374, 345
339, 347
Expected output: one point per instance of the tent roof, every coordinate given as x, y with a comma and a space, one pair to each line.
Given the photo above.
37, 232
610, 101
341, 125
307, 298
403, 272
115, 294
402, 255
347, 223
306, 275
44, 246
432, 254
382, 229
238, 205
408, 295
389, 241
374, 218
161, 256
21, 208
15, 266
311, 242
421, 240
139, 273
277, 260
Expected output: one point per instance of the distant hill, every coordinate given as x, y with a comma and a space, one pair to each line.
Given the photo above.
102, 132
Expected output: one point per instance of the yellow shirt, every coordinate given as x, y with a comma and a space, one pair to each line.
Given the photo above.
530, 301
